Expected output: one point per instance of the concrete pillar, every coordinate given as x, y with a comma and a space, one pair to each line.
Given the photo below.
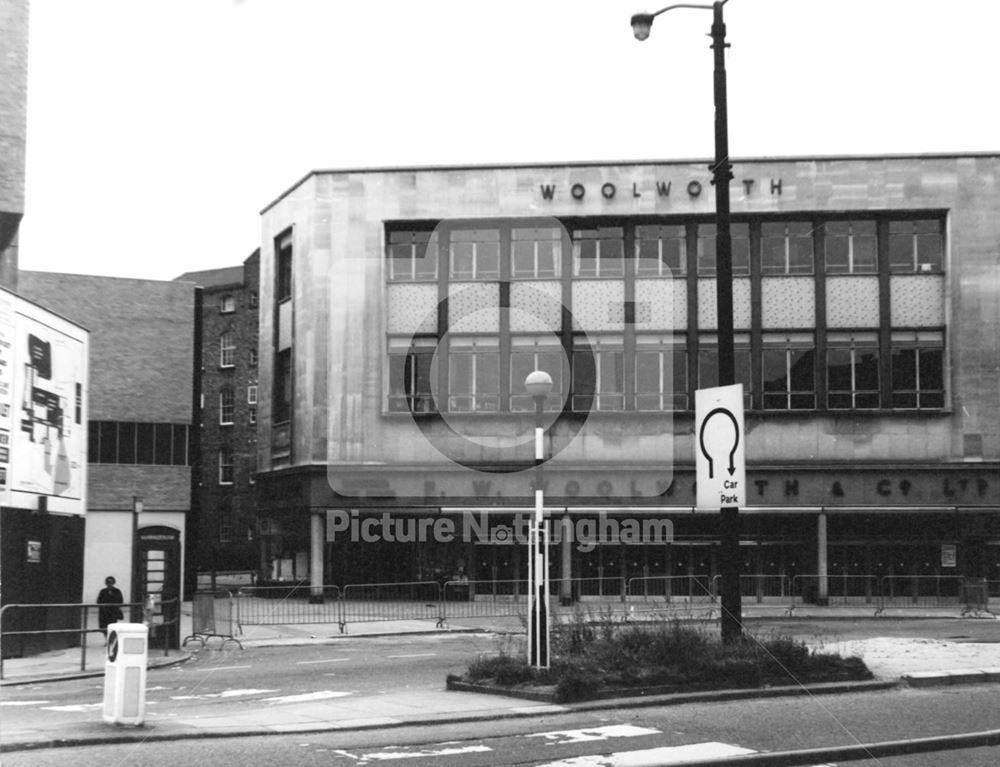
317, 543
566, 568
823, 587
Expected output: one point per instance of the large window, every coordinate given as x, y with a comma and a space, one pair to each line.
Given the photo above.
917, 370
128, 442
740, 236
227, 350
660, 251
786, 247
536, 252
850, 247
283, 270
599, 252
474, 375
708, 362
788, 372
598, 373
227, 406
226, 472
660, 373
852, 379
475, 254
410, 375
916, 246
412, 256
528, 354
282, 405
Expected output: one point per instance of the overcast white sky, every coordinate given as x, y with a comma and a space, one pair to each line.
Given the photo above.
158, 129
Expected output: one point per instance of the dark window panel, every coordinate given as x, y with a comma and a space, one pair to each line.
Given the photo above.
180, 438
109, 442
93, 442
145, 444
126, 443
162, 449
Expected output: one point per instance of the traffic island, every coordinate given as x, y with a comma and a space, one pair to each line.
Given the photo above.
602, 661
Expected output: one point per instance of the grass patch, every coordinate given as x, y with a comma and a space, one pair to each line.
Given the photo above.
592, 659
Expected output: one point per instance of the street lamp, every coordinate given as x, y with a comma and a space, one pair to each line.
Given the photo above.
538, 384
722, 174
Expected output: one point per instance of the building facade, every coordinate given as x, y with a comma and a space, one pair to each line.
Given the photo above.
13, 131
401, 310
139, 438
228, 537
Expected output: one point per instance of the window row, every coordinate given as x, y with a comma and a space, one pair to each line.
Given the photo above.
129, 442
227, 302
227, 404
593, 377
848, 246
227, 351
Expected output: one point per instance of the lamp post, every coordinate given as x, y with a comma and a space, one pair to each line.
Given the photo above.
722, 174
538, 384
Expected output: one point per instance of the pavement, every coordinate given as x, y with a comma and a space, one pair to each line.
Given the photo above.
893, 660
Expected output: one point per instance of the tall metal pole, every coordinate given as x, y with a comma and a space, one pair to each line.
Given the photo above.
538, 570
722, 174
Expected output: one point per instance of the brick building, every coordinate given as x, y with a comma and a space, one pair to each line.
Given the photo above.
227, 536
13, 131
401, 309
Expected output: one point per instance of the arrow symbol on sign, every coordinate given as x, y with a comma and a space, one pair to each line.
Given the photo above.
736, 441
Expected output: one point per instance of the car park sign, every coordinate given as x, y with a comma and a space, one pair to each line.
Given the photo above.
720, 447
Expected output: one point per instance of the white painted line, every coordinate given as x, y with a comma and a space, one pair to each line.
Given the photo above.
306, 697
223, 694
424, 753
654, 757
414, 655
224, 668
562, 737
23, 702
541, 708
325, 660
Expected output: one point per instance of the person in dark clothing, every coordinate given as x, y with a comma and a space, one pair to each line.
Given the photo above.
112, 598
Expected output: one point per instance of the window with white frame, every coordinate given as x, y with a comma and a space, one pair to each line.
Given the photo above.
530, 353
660, 251
852, 371
916, 246
660, 373
475, 254
226, 470
252, 415
474, 375
788, 371
227, 405
850, 247
599, 252
536, 252
413, 256
786, 247
252, 394
227, 350
739, 234
228, 304
917, 370
598, 373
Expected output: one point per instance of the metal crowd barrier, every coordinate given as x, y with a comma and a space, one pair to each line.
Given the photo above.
138, 613
285, 605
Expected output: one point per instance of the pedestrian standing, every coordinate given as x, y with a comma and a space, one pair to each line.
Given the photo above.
111, 600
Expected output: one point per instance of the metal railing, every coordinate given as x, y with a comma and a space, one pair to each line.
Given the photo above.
285, 605
80, 614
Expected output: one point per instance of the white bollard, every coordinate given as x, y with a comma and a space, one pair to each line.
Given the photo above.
125, 673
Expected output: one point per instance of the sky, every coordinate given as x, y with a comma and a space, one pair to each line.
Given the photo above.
159, 129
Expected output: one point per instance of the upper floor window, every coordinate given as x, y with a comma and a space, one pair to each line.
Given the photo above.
227, 350
475, 254
788, 372
228, 304
708, 362
474, 375
283, 271
707, 244
660, 373
916, 246
599, 252
252, 358
918, 369
410, 375
786, 247
850, 247
253, 299
530, 353
281, 409
412, 256
598, 373
227, 405
852, 379
226, 466
660, 251
536, 252
252, 394
127, 442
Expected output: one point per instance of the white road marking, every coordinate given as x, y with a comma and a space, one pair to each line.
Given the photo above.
223, 694
414, 655
653, 757
223, 668
325, 660
562, 737
424, 753
306, 697
23, 702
